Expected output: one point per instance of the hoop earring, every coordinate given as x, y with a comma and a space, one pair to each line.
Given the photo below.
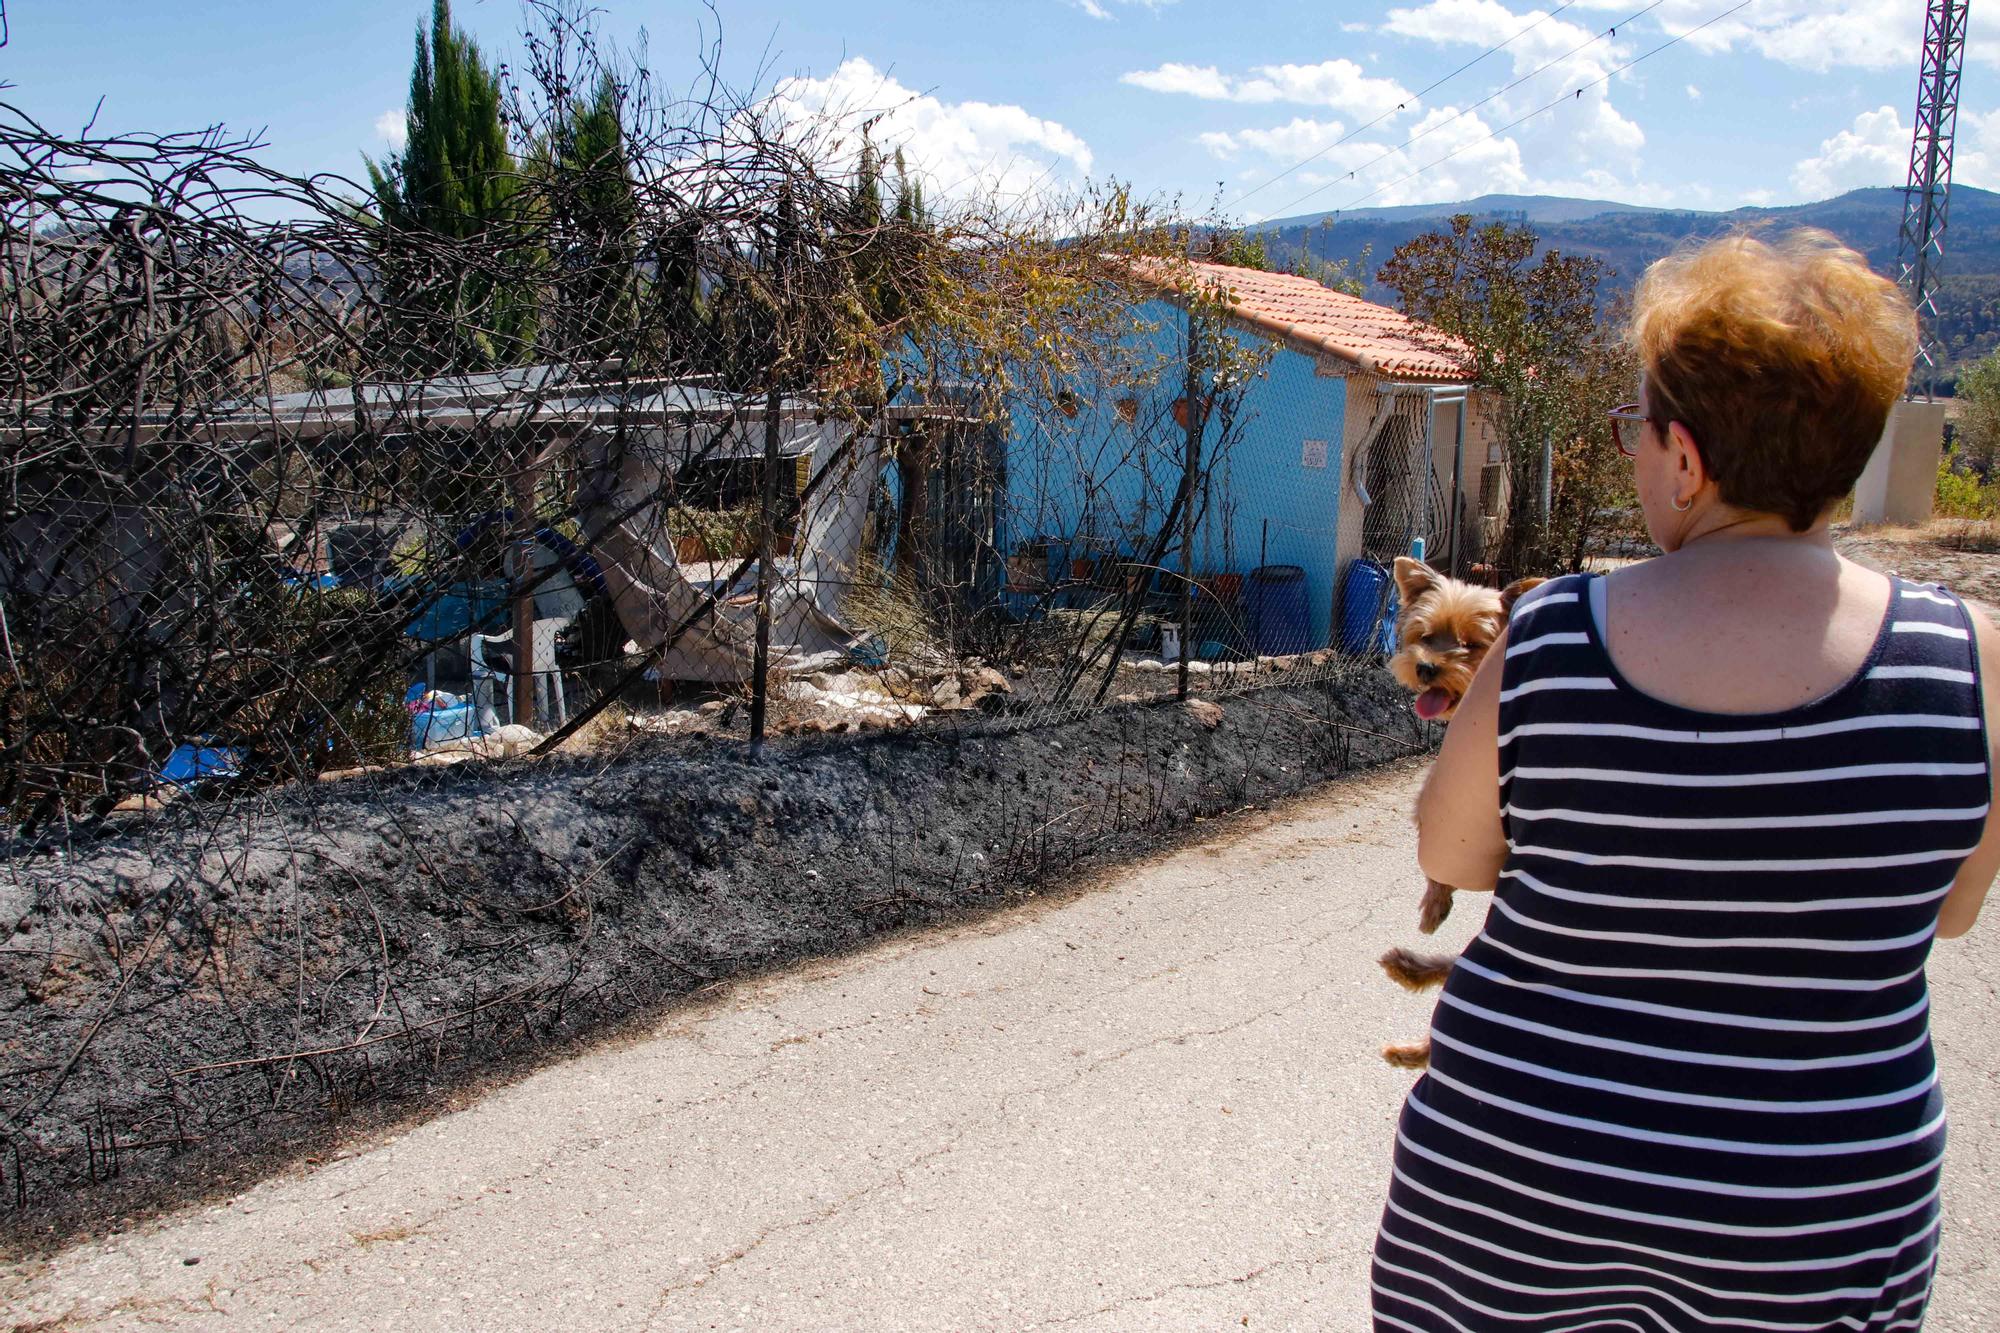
1680, 508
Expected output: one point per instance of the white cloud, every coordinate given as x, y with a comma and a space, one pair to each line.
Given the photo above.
1816, 35
1340, 84
1694, 93
1579, 140
956, 148
393, 128
1355, 27
1468, 161
1203, 81
1097, 10
1976, 154
1759, 198
1336, 83
1820, 35
1875, 150
1301, 138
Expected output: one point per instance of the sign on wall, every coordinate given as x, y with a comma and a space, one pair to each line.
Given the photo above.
1313, 454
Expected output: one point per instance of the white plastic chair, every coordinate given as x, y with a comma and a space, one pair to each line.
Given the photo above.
551, 704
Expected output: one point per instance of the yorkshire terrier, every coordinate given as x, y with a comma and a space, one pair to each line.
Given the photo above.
1444, 628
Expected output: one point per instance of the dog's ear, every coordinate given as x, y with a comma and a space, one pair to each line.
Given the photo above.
1414, 578
1513, 592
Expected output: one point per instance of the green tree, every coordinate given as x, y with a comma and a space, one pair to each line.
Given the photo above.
1240, 250
591, 212
911, 212
1243, 249
1978, 432
683, 319
455, 180
1531, 333
864, 234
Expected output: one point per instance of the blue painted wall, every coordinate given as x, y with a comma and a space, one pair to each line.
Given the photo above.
1092, 484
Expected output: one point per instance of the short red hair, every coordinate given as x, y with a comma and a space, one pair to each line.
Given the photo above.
1782, 360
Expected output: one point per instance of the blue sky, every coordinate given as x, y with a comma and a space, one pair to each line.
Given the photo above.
1783, 100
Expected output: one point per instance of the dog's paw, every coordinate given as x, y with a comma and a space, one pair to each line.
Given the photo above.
1409, 1054
1416, 971
1435, 907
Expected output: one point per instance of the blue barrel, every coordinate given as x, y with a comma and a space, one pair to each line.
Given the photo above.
1274, 604
1367, 609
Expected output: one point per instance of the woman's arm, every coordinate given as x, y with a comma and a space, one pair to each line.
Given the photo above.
1975, 877
1460, 840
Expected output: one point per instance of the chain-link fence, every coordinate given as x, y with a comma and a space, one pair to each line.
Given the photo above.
689, 423
716, 447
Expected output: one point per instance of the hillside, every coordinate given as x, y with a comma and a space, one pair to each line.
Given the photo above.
1628, 238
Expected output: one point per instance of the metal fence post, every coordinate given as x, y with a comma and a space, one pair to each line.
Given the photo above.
1190, 464
1457, 505
760, 671
524, 597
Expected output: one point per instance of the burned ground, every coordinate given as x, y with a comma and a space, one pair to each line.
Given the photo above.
233, 986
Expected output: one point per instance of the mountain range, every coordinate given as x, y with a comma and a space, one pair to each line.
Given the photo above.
1627, 237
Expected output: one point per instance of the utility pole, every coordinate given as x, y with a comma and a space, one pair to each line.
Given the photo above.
1926, 199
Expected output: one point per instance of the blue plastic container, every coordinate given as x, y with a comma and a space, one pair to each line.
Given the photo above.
435, 726
1367, 609
1274, 604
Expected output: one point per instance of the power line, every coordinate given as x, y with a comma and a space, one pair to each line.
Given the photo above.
1400, 106
1534, 73
1570, 96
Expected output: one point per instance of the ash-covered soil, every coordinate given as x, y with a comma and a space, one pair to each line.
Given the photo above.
192, 1004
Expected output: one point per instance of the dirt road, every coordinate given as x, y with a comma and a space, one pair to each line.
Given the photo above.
1156, 1104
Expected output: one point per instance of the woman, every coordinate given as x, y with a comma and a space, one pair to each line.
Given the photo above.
1725, 798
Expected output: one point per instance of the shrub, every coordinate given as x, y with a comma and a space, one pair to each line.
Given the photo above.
1961, 494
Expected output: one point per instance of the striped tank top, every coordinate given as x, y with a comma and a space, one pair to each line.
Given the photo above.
1682, 1079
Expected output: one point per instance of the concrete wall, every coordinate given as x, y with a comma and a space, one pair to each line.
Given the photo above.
1899, 484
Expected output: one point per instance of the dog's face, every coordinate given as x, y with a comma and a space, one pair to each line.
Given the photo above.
1444, 628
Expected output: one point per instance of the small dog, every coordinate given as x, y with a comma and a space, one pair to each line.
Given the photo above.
1444, 627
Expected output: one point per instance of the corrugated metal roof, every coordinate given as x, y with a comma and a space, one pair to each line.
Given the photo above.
1316, 319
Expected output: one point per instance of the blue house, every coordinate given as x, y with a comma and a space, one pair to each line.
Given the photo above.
1358, 437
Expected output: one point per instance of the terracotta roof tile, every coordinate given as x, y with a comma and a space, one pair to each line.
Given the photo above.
1315, 318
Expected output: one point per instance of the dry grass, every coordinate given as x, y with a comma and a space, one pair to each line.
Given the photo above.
612, 727
1980, 536
892, 608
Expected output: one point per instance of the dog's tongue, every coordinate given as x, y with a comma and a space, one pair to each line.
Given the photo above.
1432, 704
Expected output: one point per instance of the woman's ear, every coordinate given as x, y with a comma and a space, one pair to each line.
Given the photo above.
1689, 467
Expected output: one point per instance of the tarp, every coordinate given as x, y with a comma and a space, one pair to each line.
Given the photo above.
625, 477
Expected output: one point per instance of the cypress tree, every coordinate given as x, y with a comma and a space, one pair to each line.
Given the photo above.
910, 211
455, 179
455, 175
592, 195
686, 321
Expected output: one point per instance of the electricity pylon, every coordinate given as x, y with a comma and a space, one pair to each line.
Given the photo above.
1926, 199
